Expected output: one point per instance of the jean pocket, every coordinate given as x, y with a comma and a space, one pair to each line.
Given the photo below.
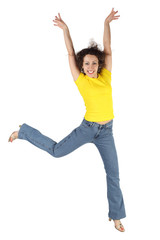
87, 124
108, 130
109, 126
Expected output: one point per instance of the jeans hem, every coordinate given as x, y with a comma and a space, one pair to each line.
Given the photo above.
21, 131
117, 218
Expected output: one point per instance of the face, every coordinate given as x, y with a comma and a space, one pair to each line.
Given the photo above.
90, 65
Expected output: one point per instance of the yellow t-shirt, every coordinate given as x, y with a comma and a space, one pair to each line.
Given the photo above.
97, 96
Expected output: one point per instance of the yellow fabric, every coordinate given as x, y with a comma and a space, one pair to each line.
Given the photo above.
97, 96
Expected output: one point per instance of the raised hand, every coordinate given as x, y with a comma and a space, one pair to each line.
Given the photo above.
59, 22
112, 16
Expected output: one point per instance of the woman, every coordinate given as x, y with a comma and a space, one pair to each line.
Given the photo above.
91, 71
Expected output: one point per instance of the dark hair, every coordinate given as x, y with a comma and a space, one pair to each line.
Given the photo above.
93, 49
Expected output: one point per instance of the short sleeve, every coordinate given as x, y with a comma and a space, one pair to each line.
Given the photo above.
106, 75
78, 80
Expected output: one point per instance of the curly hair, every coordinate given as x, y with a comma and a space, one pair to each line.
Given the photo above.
93, 49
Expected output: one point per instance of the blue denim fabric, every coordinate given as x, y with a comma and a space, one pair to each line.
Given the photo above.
87, 132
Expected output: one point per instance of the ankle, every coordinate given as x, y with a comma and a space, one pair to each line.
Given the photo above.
16, 134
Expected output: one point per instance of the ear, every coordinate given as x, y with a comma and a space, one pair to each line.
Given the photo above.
99, 69
82, 70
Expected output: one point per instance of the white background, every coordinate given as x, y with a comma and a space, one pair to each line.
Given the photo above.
42, 197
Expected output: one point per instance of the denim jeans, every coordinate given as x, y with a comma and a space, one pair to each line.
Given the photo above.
87, 132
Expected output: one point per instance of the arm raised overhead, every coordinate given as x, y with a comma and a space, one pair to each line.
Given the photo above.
107, 39
69, 45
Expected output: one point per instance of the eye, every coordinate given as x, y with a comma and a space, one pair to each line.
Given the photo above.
86, 63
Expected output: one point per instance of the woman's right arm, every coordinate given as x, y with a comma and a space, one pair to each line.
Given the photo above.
69, 45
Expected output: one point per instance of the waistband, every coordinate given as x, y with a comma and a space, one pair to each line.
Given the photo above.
110, 123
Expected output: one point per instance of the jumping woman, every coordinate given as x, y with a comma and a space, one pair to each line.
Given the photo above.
91, 71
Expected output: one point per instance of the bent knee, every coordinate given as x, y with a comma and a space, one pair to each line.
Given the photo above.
57, 154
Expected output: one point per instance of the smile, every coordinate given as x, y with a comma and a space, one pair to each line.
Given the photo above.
90, 72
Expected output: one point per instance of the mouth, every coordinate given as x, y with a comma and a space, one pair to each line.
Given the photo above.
90, 72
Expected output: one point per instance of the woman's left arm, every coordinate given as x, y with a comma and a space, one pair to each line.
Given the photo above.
107, 39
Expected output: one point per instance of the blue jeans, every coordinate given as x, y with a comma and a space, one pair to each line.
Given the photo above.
87, 132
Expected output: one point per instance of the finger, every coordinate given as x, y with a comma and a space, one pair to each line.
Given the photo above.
116, 16
114, 13
59, 16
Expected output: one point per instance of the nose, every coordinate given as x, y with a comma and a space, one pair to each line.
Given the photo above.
91, 67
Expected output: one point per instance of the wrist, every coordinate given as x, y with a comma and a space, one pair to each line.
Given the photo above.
65, 28
106, 22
